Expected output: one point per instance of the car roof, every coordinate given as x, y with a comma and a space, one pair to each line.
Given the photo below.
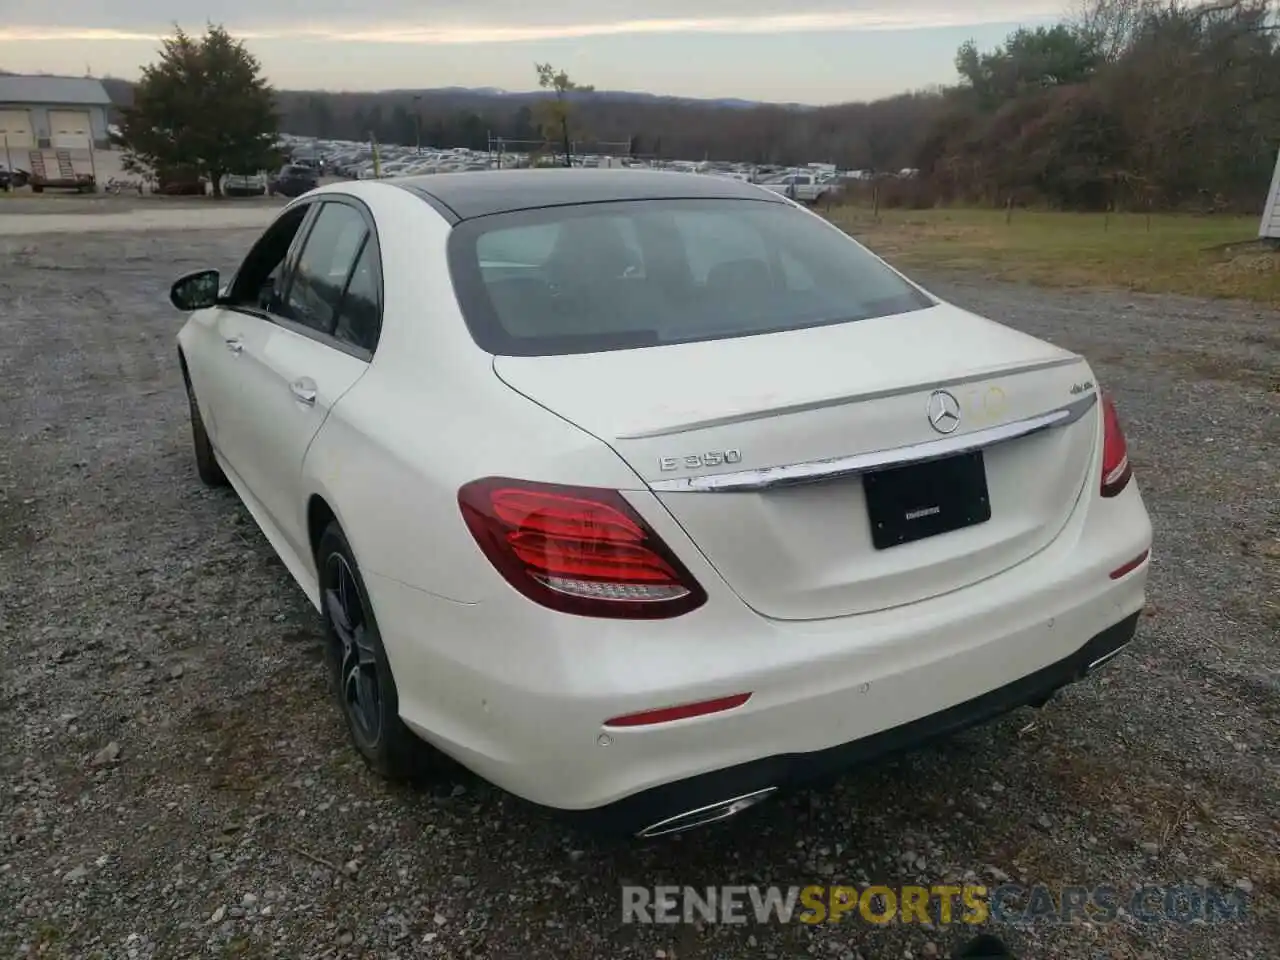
465, 195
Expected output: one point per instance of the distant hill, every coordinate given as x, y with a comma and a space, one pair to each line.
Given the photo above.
879, 135
623, 96
121, 93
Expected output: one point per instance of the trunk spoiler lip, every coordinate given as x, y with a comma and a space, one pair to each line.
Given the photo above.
815, 471
1018, 367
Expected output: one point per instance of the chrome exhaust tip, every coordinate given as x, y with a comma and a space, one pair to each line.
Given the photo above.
1105, 658
701, 816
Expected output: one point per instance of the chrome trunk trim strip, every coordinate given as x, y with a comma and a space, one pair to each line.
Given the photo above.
815, 471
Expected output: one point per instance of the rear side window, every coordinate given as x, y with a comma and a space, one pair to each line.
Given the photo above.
360, 315
612, 276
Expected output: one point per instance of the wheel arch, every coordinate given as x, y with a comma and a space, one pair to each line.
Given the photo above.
322, 510
319, 516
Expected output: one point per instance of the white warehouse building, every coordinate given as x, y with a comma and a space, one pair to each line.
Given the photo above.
52, 112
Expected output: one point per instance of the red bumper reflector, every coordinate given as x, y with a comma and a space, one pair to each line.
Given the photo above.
681, 712
1131, 566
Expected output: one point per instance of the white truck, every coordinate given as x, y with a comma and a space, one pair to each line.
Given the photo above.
803, 186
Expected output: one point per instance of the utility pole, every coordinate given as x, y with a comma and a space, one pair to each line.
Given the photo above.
417, 121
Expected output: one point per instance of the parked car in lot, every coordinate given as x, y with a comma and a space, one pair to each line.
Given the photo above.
244, 185
294, 180
647, 495
802, 186
181, 181
13, 179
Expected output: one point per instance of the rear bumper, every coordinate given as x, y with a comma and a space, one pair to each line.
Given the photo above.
521, 695
652, 807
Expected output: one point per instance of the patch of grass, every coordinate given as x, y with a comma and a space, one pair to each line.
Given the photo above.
1206, 366
1205, 256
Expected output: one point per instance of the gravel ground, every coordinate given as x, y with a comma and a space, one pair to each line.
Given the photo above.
24, 216
174, 783
26, 203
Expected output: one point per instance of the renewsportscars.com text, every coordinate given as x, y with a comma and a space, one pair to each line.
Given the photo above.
938, 904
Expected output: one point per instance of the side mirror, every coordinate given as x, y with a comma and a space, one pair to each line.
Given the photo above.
195, 291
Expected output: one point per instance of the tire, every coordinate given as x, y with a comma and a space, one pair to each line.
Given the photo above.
359, 673
207, 468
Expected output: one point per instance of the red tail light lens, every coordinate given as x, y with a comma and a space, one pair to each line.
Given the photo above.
682, 712
1116, 469
580, 550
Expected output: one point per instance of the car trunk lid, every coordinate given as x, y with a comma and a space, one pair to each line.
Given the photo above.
773, 452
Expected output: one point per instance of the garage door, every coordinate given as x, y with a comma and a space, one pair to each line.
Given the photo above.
69, 129
15, 126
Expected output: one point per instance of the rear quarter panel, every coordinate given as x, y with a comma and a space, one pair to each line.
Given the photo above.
430, 416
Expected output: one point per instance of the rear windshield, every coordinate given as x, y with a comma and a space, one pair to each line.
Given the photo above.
616, 276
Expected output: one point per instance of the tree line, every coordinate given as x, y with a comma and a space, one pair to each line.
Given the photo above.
1126, 103
1131, 104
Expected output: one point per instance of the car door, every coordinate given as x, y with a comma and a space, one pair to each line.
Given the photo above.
316, 347
218, 336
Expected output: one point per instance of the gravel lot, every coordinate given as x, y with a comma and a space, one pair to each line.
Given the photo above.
174, 783
24, 215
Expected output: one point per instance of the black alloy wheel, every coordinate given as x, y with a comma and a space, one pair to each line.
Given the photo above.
359, 687
359, 672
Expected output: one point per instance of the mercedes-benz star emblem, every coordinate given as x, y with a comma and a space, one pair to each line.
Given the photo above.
944, 411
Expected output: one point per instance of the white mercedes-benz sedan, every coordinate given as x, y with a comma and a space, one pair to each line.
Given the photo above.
645, 495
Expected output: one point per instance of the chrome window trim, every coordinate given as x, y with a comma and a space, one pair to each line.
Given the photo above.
813, 471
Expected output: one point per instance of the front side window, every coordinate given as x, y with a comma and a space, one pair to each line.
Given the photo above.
327, 257
259, 283
595, 277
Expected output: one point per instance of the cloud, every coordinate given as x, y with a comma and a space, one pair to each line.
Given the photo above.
507, 21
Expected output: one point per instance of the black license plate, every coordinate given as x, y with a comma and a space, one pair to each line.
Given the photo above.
926, 499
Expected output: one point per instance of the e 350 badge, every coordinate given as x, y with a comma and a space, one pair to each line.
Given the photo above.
698, 461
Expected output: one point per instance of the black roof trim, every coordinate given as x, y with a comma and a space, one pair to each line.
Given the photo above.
439, 206
482, 193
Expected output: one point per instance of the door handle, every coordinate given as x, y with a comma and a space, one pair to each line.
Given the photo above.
235, 344
304, 390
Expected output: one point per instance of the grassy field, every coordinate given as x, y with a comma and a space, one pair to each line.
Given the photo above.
1216, 256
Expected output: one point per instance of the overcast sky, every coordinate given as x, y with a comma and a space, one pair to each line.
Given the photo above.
815, 51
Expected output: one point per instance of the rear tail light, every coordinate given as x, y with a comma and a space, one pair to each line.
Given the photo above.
580, 550
1116, 469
